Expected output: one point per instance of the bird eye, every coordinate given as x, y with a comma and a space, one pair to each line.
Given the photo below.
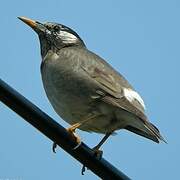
56, 28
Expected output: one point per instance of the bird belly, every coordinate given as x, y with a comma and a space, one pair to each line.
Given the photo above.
72, 100
67, 105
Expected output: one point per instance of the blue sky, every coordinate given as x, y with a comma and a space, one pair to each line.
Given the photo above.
141, 39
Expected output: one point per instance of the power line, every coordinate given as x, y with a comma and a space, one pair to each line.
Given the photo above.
54, 131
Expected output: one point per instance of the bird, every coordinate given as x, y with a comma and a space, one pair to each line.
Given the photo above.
86, 91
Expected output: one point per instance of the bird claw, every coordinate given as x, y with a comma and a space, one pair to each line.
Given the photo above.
54, 146
83, 170
71, 130
98, 154
77, 138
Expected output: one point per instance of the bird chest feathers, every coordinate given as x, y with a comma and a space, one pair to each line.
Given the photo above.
60, 82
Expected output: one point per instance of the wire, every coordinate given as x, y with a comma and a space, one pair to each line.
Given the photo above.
54, 131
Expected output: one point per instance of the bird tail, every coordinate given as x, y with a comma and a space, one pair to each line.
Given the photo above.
147, 130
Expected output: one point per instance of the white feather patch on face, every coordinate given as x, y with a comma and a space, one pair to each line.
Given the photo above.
133, 95
67, 37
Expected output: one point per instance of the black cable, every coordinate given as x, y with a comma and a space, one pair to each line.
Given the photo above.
57, 133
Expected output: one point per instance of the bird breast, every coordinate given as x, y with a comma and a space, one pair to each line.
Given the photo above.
64, 87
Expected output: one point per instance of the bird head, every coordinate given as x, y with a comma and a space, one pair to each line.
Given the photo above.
53, 36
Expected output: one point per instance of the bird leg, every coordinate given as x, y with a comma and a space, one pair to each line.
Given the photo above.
72, 130
96, 150
98, 153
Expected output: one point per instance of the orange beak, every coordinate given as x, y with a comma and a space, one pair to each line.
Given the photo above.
29, 22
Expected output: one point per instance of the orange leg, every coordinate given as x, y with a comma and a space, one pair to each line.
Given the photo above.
72, 130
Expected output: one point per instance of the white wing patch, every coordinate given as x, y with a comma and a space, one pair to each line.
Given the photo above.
133, 95
67, 37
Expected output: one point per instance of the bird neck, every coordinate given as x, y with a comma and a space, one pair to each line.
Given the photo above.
46, 46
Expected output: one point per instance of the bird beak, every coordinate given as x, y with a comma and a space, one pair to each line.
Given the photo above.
29, 22
35, 25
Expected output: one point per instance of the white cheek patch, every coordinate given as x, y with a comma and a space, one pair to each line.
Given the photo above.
67, 37
133, 95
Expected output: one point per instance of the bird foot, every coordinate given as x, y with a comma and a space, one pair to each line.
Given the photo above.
72, 130
97, 153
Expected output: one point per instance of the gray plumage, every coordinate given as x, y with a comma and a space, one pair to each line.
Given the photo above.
80, 84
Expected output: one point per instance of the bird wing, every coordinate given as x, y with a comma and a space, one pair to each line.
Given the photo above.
113, 87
